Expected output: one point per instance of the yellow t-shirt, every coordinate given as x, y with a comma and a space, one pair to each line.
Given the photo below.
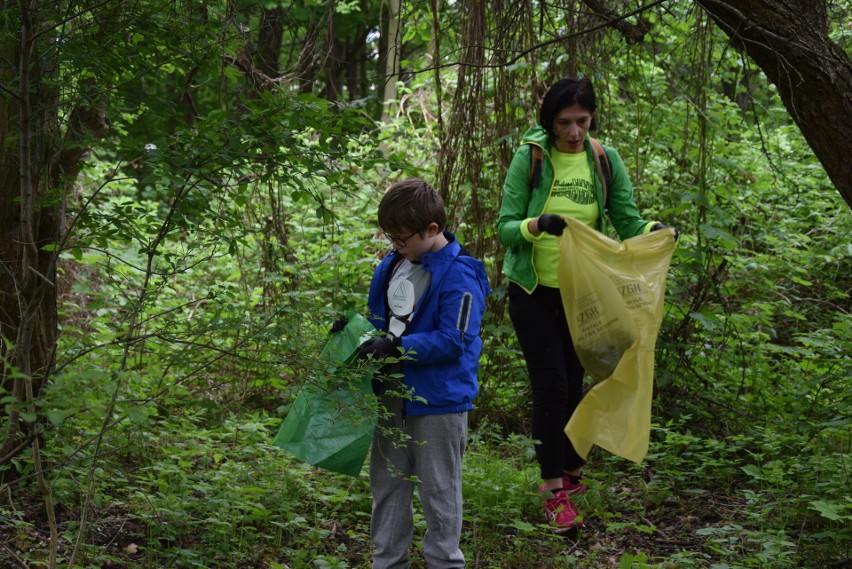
572, 193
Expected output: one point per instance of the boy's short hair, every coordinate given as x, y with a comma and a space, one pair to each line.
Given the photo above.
411, 205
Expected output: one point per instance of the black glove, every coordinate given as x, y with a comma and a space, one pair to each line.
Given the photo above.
339, 324
379, 348
658, 226
551, 223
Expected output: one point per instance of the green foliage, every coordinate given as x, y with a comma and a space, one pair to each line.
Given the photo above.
207, 256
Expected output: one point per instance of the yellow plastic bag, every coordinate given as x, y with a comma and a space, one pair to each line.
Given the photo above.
613, 295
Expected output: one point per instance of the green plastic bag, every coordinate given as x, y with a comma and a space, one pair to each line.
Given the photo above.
328, 425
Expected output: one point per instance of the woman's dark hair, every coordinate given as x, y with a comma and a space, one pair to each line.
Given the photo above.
565, 93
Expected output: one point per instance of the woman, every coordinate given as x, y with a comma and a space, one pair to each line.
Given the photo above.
530, 219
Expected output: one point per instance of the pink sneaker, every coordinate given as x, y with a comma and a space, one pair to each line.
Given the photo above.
570, 488
573, 489
561, 512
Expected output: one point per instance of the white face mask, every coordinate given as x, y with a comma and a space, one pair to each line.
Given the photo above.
401, 302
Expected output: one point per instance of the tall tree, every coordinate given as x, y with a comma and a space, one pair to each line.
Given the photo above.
790, 42
392, 57
65, 76
38, 165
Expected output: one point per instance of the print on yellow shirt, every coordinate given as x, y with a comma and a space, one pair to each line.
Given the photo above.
577, 190
573, 195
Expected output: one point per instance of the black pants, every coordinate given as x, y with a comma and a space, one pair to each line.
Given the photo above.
556, 375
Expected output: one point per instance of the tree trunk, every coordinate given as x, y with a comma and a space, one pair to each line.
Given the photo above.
38, 166
28, 222
392, 58
269, 41
789, 40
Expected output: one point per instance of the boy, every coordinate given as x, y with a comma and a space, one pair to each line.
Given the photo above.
428, 296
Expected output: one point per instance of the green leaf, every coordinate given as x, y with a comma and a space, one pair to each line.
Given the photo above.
56, 417
523, 527
830, 510
753, 471
708, 321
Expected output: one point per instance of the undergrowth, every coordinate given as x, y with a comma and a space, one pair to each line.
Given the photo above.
211, 491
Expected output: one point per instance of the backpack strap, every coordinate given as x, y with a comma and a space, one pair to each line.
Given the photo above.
601, 164
536, 156
603, 167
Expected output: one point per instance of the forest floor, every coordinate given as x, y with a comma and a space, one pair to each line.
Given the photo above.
667, 529
263, 510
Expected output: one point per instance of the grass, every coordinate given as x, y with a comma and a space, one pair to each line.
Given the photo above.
219, 495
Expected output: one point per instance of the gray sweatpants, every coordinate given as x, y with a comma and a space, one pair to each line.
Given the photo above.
431, 457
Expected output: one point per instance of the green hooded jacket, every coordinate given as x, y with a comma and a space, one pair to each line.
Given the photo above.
519, 203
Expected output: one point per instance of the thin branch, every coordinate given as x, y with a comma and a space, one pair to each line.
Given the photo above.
25, 442
15, 557
117, 342
5, 89
61, 23
537, 47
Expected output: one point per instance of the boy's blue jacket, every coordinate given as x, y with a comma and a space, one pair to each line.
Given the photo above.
442, 343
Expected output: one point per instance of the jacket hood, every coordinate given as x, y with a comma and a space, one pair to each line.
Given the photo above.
536, 135
439, 261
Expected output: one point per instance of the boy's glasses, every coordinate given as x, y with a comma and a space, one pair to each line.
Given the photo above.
400, 241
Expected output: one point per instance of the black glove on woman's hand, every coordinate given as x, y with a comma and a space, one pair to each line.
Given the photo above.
658, 226
339, 324
551, 223
379, 348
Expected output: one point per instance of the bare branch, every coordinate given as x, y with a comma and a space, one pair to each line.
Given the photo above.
524, 53
633, 34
